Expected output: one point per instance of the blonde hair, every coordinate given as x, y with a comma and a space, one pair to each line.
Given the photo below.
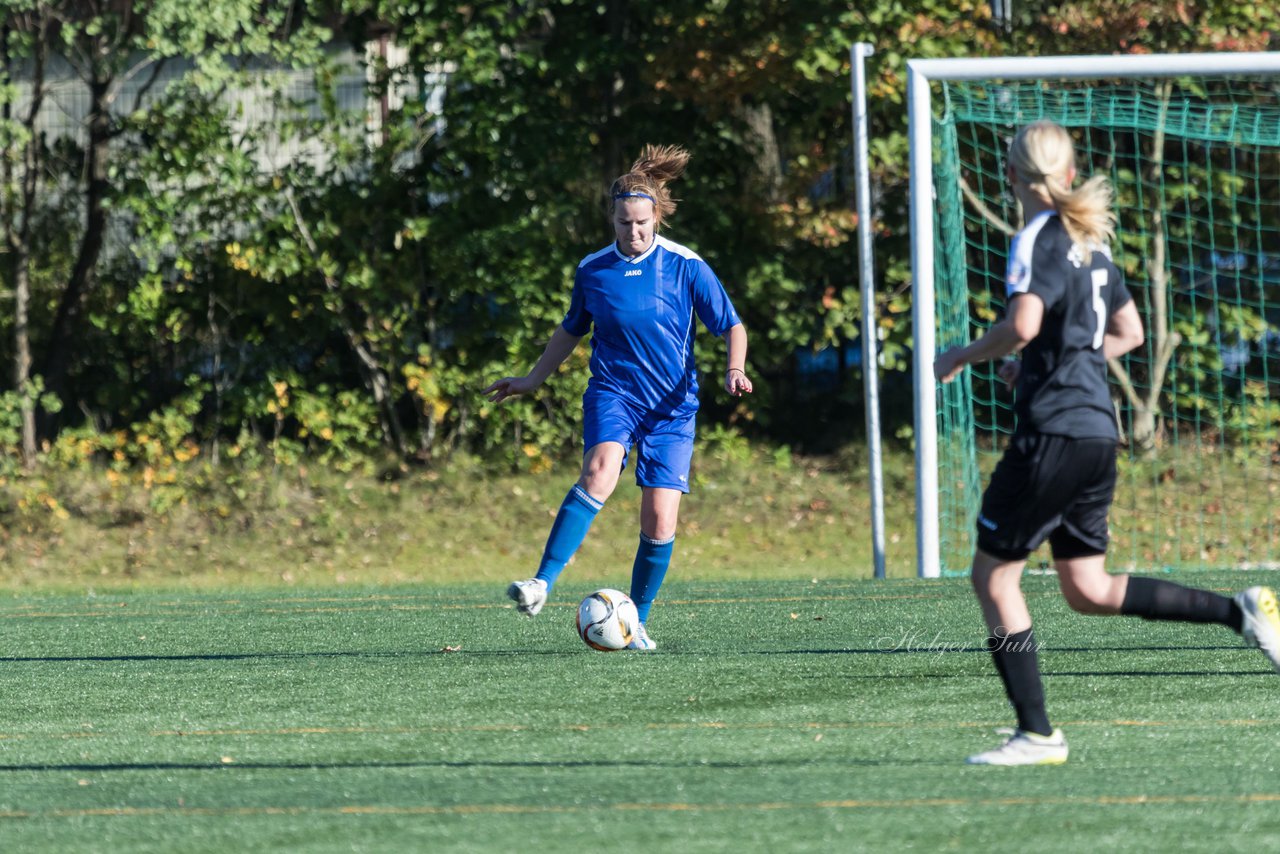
648, 177
1042, 155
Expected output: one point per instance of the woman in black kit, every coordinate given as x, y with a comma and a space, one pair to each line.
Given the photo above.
1068, 312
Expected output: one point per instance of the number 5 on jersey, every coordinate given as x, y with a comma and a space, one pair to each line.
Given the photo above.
1099, 306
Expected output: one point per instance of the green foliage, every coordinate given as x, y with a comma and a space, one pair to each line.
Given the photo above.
1240, 403
1146, 26
388, 255
726, 445
11, 409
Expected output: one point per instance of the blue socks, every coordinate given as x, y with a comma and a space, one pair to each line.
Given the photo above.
577, 512
652, 558
575, 517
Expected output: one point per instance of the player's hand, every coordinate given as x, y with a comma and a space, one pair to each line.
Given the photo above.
737, 383
509, 387
947, 366
1008, 371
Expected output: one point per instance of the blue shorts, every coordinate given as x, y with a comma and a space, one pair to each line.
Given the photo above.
664, 443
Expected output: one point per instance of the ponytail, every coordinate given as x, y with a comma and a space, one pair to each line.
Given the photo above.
1086, 212
1043, 157
648, 177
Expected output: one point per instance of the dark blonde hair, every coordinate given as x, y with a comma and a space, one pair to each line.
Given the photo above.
648, 177
1043, 155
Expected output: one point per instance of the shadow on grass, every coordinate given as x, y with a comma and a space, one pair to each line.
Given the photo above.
250, 656
947, 650
85, 767
1092, 673
1047, 674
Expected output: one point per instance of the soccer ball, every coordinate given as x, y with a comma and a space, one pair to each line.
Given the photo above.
607, 620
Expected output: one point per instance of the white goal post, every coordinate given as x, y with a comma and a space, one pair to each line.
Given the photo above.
921, 73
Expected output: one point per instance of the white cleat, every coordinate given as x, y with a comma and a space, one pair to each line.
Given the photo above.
529, 596
1025, 748
641, 639
1261, 627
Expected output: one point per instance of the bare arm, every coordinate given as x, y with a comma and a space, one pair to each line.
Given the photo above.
1015, 331
558, 349
1124, 331
735, 376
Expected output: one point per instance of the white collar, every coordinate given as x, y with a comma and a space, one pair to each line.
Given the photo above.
653, 244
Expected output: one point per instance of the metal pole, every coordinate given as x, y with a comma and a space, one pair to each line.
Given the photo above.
1095, 67
870, 331
920, 131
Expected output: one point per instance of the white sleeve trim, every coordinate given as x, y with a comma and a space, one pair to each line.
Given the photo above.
1018, 278
682, 251
594, 255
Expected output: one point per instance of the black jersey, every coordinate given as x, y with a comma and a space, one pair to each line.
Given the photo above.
1062, 387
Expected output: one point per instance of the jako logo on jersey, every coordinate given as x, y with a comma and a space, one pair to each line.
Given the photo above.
987, 523
633, 273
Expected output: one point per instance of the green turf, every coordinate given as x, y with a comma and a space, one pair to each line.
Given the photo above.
776, 716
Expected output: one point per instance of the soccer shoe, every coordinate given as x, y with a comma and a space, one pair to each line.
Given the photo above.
1261, 627
1025, 748
641, 639
529, 596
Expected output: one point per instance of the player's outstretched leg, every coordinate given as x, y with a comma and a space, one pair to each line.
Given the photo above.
1158, 599
1261, 625
1025, 748
1253, 613
650, 568
577, 512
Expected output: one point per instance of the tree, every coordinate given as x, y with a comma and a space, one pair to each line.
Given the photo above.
106, 44
23, 42
245, 260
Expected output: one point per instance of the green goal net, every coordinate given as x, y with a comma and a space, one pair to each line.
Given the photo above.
1196, 168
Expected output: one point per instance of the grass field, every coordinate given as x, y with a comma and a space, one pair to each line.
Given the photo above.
776, 716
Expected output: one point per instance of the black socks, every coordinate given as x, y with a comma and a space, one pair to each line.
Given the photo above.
1156, 599
1016, 657
1016, 662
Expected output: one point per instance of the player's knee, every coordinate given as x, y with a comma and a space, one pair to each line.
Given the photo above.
1077, 599
658, 521
984, 574
984, 585
660, 529
1088, 598
598, 479
980, 582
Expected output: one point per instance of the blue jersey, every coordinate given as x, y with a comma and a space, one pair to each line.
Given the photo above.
642, 309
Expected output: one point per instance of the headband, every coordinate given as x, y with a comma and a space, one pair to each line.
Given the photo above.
634, 195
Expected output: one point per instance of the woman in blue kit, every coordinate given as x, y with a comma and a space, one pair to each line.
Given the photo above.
640, 295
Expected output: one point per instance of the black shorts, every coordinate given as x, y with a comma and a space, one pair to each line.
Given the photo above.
1049, 487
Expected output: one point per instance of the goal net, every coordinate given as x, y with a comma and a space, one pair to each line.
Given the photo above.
1195, 163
